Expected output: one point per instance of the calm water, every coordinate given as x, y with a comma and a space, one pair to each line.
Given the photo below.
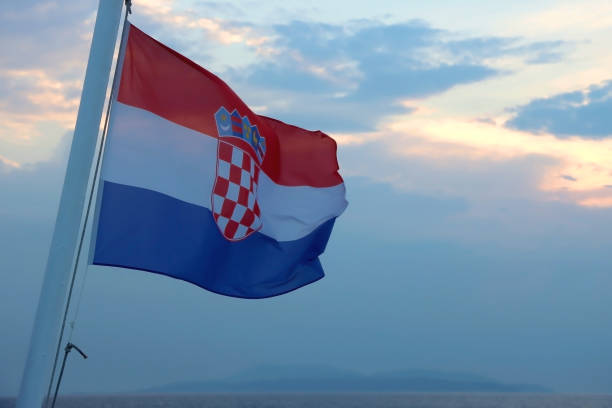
355, 400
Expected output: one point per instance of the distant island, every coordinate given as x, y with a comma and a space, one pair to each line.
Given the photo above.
299, 378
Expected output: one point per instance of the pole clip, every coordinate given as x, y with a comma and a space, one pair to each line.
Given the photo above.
71, 346
67, 350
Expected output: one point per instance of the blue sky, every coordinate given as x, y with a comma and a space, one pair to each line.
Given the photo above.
475, 141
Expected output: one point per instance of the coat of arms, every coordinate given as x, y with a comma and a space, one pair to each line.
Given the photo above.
240, 152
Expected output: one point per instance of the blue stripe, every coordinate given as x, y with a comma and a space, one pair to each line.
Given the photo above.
150, 231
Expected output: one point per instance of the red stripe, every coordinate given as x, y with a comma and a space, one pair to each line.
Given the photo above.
162, 81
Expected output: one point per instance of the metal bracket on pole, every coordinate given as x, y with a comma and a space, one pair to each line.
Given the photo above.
71, 346
67, 350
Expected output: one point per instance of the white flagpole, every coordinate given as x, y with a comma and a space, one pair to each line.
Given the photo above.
47, 323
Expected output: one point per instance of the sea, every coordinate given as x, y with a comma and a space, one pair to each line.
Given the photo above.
329, 400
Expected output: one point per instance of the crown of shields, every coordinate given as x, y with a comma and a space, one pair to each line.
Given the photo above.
240, 152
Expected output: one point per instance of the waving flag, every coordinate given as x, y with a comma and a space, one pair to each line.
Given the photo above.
196, 186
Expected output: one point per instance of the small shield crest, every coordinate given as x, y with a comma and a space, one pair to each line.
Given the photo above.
240, 151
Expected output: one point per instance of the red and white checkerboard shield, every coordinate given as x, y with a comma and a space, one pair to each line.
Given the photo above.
234, 196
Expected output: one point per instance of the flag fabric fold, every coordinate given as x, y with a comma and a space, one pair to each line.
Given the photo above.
196, 186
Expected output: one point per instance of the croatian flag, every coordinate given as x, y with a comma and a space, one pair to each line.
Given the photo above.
196, 186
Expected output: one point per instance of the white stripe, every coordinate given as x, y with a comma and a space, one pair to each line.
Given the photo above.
145, 150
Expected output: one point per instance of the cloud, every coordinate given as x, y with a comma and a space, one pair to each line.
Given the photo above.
217, 29
476, 50
31, 190
584, 113
46, 35
41, 73
327, 76
569, 17
203, 39
597, 202
479, 159
414, 164
36, 94
7, 164
367, 67
361, 62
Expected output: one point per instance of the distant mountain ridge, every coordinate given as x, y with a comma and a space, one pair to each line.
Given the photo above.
311, 378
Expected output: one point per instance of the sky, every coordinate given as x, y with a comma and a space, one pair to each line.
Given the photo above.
475, 140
